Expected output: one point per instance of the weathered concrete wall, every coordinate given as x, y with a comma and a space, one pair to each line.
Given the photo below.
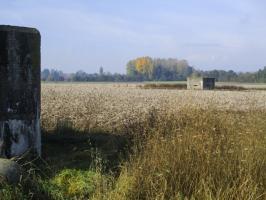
19, 90
200, 83
194, 83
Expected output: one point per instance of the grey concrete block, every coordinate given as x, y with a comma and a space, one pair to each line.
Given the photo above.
19, 90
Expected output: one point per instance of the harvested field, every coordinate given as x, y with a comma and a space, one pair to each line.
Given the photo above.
113, 106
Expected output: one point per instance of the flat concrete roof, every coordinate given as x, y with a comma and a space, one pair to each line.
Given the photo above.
9, 28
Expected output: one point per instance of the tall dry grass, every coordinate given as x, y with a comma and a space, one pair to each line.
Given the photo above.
197, 154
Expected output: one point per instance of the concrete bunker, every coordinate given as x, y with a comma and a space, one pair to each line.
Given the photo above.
200, 83
19, 91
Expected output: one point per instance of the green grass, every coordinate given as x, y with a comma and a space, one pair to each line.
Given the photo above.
72, 184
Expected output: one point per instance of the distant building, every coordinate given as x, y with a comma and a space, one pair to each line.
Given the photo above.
200, 83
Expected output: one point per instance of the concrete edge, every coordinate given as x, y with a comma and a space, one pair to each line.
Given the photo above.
19, 29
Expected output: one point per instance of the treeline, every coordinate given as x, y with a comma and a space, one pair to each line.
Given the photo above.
81, 76
148, 69
231, 76
155, 69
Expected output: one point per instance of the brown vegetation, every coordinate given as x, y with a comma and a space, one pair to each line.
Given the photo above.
179, 144
196, 154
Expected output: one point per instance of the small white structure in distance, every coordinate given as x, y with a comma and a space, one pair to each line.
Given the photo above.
200, 83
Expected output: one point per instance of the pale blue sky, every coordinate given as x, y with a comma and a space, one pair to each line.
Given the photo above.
87, 34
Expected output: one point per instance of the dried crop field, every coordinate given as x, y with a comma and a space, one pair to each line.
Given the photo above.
111, 107
124, 142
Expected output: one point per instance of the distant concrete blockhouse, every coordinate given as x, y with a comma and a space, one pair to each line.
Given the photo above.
200, 83
19, 91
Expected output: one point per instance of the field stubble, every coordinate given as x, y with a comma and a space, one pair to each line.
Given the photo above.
111, 107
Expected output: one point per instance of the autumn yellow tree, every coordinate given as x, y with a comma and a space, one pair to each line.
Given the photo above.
144, 65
